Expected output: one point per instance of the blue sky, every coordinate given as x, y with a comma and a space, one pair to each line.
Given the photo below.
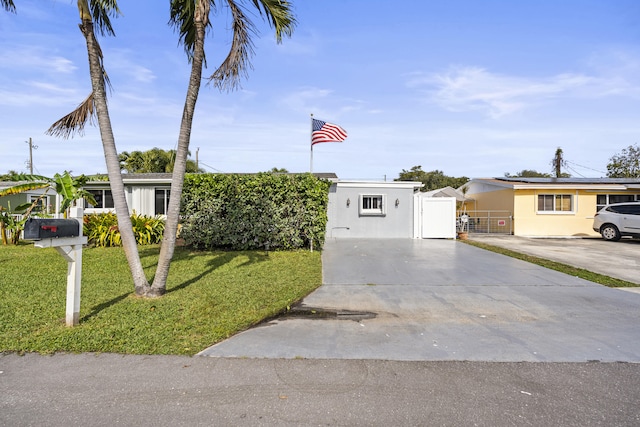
473, 88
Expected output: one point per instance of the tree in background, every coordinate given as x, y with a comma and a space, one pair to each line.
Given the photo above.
528, 173
155, 160
431, 180
558, 163
9, 176
626, 164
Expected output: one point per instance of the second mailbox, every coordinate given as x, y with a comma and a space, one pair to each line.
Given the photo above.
46, 228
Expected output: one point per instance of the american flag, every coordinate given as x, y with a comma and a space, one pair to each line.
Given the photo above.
327, 132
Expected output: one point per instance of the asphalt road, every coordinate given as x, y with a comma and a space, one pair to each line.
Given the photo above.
108, 390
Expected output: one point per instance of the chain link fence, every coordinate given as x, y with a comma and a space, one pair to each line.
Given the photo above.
495, 222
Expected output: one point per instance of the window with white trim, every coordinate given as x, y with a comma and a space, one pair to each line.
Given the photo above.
42, 204
104, 199
162, 200
555, 203
373, 204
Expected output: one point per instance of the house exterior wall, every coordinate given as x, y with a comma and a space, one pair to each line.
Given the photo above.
49, 201
522, 198
528, 221
346, 218
140, 198
491, 199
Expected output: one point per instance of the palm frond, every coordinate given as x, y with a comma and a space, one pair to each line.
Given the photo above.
279, 15
21, 188
75, 121
101, 12
237, 62
182, 15
8, 5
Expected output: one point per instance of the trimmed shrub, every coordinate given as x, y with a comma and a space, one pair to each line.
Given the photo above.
264, 211
102, 229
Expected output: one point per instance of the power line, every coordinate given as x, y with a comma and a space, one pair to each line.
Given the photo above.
585, 167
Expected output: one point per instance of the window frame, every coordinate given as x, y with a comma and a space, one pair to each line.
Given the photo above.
380, 200
104, 196
555, 208
165, 198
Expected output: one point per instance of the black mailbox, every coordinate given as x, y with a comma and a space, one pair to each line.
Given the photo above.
45, 228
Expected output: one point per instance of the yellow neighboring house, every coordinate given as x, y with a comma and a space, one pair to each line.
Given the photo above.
547, 207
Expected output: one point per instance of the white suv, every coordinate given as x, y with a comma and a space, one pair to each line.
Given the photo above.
617, 220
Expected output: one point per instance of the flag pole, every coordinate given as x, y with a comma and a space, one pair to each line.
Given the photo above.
311, 143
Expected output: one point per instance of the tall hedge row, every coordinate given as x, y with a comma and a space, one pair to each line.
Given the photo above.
263, 211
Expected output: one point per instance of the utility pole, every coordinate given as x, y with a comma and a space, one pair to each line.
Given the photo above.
197, 162
31, 148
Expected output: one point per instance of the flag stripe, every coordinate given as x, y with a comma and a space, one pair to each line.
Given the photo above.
326, 132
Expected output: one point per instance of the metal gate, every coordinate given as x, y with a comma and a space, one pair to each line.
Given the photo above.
496, 222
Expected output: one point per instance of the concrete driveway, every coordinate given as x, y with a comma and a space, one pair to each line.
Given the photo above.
614, 259
444, 300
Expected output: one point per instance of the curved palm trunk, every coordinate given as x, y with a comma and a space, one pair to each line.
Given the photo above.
179, 169
111, 157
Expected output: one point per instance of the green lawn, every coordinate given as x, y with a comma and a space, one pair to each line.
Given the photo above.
210, 296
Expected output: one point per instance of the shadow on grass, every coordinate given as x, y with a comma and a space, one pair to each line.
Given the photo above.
217, 262
98, 308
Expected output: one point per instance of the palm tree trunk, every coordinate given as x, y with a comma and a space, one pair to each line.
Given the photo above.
111, 157
180, 166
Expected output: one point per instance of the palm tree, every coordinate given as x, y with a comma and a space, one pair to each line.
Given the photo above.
191, 18
95, 15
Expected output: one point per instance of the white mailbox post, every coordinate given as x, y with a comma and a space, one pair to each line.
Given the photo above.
71, 249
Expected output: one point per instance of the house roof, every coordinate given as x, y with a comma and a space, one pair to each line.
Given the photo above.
448, 192
165, 178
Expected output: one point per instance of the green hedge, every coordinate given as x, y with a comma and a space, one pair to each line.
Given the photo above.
263, 211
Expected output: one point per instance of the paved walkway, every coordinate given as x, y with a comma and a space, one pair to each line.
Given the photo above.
443, 300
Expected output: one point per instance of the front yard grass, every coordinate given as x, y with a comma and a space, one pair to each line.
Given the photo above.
210, 296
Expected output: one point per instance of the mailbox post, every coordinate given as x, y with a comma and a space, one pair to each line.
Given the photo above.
65, 235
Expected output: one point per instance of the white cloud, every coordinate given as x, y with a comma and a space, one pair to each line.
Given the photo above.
462, 89
25, 58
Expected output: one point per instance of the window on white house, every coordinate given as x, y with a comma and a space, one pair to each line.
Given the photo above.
104, 199
162, 200
372, 204
41, 205
555, 203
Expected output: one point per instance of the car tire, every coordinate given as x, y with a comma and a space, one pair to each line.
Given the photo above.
610, 232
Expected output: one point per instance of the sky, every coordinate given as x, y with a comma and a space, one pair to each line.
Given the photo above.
474, 88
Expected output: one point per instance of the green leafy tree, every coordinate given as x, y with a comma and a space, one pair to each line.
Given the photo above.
155, 160
431, 180
625, 164
68, 187
528, 173
9, 176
